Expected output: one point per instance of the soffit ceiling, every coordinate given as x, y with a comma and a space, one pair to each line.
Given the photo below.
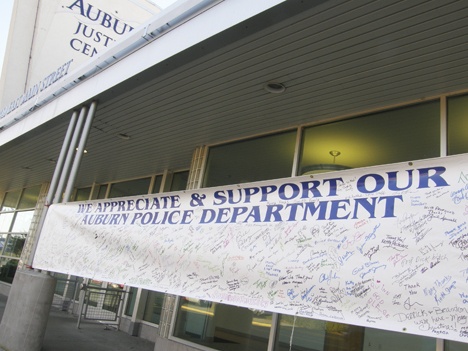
336, 58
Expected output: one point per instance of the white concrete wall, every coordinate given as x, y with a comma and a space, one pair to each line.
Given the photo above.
45, 34
18, 50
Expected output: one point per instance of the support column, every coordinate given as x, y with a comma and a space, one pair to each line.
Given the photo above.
79, 152
170, 301
27, 311
69, 152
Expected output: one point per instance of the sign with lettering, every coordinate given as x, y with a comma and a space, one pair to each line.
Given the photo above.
383, 247
73, 31
36, 89
80, 29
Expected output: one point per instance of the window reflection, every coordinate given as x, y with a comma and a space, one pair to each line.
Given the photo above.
3, 239
222, 327
5, 221
305, 334
16, 215
132, 294
264, 158
14, 245
455, 346
382, 340
457, 122
102, 192
83, 194
130, 188
29, 197
157, 184
179, 181
153, 309
22, 221
7, 269
11, 200
409, 133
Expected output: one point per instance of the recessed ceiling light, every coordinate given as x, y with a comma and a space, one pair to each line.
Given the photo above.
123, 136
274, 87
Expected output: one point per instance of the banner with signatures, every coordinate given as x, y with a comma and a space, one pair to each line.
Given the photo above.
384, 247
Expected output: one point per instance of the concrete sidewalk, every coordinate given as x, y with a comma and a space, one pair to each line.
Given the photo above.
62, 335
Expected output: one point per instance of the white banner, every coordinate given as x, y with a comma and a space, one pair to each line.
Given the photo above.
384, 247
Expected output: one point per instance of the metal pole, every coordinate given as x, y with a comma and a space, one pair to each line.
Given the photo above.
79, 153
71, 151
58, 173
61, 159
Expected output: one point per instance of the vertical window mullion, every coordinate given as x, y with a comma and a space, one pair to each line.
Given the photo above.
13, 219
443, 152
18, 201
2, 199
273, 328
443, 126
297, 151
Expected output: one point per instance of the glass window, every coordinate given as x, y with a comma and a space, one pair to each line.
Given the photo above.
22, 221
455, 346
153, 309
130, 188
263, 158
132, 294
3, 239
16, 215
14, 245
404, 134
102, 192
457, 123
7, 269
157, 184
61, 283
314, 335
83, 194
382, 340
305, 334
222, 327
179, 181
5, 221
11, 200
29, 197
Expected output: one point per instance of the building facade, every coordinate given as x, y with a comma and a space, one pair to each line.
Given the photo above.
226, 95
46, 35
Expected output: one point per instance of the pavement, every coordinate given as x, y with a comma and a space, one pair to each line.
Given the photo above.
63, 335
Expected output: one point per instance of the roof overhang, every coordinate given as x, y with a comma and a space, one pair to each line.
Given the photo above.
174, 30
202, 82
